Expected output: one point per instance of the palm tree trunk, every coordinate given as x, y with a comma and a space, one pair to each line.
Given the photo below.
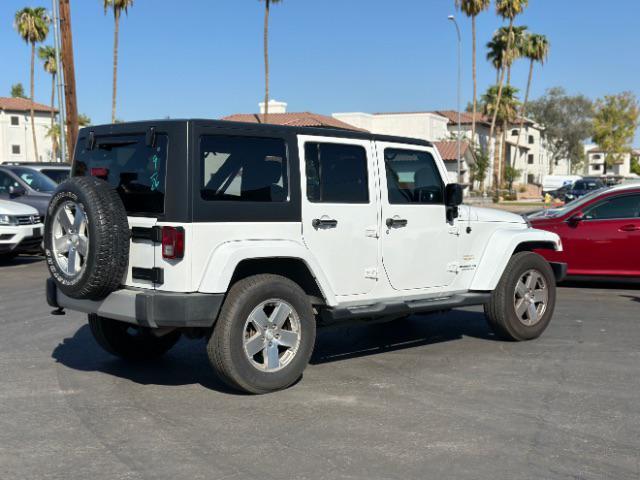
116, 33
475, 83
523, 112
499, 97
266, 61
33, 122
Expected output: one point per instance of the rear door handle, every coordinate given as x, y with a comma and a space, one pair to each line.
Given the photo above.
324, 223
629, 228
396, 222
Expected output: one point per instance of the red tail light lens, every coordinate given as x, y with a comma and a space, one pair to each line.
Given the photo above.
172, 242
102, 173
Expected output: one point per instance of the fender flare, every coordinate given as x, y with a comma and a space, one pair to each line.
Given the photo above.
500, 248
225, 258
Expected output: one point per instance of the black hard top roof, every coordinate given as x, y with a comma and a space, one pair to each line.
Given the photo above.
120, 128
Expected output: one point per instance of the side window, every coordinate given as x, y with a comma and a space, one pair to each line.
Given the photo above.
336, 173
627, 206
243, 169
412, 177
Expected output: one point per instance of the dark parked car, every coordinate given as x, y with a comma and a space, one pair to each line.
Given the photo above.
582, 187
600, 233
561, 192
26, 185
56, 171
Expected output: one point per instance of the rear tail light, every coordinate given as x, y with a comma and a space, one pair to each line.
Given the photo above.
172, 242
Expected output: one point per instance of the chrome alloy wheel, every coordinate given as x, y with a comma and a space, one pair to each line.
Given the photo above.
70, 242
531, 297
272, 335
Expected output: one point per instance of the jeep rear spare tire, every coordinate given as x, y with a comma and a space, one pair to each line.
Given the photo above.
86, 238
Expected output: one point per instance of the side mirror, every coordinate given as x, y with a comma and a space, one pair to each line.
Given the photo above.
576, 218
16, 191
452, 199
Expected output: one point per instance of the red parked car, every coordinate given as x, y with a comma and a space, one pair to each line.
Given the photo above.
600, 233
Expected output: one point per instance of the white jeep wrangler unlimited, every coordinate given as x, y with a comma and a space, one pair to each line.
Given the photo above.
250, 235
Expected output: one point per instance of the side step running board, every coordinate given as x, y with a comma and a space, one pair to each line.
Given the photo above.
407, 307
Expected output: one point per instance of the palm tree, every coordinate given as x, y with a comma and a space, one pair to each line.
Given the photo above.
53, 132
118, 7
505, 111
473, 8
508, 10
32, 25
536, 49
267, 6
48, 56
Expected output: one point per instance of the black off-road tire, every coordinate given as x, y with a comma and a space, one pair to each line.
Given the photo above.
225, 347
501, 312
108, 252
128, 341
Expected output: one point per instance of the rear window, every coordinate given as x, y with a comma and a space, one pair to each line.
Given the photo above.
243, 169
57, 175
136, 170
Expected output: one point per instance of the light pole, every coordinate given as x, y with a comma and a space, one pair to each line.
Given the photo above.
453, 19
61, 106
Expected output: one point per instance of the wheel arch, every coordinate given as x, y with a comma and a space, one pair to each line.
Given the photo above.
234, 261
502, 245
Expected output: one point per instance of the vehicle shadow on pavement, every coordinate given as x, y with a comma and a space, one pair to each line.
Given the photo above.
184, 364
17, 261
343, 343
632, 284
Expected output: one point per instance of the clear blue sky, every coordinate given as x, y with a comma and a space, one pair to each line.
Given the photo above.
203, 58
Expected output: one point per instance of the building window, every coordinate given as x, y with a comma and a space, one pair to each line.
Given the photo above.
597, 167
15, 121
530, 178
531, 140
514, 132
15, 149
530, 159
597, 157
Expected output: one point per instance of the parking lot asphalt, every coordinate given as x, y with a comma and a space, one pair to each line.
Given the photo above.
433, 397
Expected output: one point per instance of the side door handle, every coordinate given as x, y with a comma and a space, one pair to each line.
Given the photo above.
630, 228
324, 223
396, 222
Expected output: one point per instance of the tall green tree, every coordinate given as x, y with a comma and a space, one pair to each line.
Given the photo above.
567, 122
32, 25
48, 56
504, 108
267, 11
118, 6
473, 8
84, 120
535, 48
614, 125
53, 132
508, 10
17, 91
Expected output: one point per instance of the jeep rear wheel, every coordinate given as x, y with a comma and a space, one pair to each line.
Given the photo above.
264, 336
128, 341
522, 304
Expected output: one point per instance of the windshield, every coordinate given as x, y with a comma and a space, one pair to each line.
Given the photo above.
576, 204
35, 179
57, 175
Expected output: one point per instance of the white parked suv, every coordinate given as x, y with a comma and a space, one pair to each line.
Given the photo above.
251, 235
21, 229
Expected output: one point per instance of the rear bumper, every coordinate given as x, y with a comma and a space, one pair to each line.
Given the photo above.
559, 270
147, 308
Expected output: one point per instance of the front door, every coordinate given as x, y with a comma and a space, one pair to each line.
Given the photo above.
340, 210
606, 241
419, 246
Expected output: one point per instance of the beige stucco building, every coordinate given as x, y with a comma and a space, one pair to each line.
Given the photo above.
16, 141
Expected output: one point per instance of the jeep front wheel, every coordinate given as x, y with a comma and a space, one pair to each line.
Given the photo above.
264, 336
522, 304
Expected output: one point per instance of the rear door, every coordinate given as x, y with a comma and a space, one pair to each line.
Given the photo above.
134, 163
340, 218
